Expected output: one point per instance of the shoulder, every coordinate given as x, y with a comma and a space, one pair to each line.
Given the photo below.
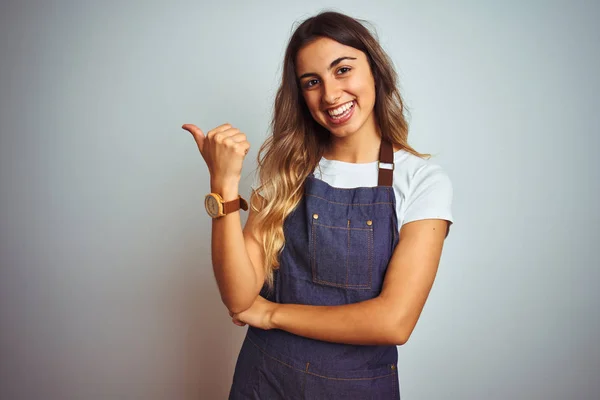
424, 187
412, 170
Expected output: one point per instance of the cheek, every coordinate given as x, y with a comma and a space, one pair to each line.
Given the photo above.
364, 88
312, 102
366, 95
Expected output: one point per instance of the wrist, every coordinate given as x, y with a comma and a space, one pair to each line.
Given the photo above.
228, 191
274, 316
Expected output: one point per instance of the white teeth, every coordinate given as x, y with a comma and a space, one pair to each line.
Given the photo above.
340, 110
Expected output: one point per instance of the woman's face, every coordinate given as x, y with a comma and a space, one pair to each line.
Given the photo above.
337, 85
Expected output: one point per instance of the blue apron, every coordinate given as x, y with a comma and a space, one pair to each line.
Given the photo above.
338, 246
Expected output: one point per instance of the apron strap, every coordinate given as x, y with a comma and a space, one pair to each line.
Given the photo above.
386, 164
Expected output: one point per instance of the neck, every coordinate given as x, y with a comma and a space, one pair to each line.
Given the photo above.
360, 147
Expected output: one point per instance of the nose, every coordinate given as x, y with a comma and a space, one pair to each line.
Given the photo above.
331, 92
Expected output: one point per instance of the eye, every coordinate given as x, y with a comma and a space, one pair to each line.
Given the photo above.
343, 70
310, 83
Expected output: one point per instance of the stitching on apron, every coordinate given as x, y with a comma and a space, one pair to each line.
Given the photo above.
312, 373
396, 384
348, 253
370, 255
342, 227
348, 204
349, 379
342, 285
313, 259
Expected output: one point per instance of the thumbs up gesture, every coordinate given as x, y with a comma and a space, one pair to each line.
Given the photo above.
223, 149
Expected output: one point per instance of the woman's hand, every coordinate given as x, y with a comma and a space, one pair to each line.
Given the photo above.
258, 315
223, 149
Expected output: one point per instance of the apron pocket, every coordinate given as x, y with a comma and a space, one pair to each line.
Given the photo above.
342, 256
383, 385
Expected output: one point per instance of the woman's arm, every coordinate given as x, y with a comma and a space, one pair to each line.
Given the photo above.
387, 319
236, 255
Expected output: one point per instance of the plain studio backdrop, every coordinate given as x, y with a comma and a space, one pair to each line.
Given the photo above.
106, 284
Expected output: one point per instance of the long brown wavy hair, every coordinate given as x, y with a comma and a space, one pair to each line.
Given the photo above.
297, 142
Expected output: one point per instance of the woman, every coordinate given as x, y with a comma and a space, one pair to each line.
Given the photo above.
345, 230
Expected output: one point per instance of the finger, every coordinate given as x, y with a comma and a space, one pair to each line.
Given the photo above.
220, 137
193, 129
239, 137
223, 127
196, 133
242, 148
219, 129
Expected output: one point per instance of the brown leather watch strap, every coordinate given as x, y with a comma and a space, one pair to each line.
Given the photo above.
234, 205
386, 156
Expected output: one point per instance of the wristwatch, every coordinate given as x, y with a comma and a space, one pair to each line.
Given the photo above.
217, 208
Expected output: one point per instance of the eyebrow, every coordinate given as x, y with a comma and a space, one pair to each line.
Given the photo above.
333, 64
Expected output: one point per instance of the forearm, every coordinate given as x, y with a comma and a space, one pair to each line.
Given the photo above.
365, 323
232, 267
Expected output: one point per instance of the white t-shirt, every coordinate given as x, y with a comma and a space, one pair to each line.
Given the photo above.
423, 190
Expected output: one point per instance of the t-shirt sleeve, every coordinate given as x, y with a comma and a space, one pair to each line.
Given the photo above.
430, 195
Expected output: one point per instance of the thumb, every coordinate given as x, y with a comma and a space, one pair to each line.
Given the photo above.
196, 133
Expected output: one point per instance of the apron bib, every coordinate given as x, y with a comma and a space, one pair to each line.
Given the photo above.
338, 246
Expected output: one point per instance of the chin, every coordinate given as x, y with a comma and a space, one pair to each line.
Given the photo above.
343, 131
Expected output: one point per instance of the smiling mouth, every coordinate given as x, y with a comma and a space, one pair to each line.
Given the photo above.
341, 112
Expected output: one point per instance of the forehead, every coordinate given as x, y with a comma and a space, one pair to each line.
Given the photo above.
318, 55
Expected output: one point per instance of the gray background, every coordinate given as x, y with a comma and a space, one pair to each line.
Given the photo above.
106, 287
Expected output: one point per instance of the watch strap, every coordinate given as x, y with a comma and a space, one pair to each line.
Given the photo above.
234, 205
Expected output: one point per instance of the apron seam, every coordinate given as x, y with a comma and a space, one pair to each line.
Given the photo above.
313, 373
350, 204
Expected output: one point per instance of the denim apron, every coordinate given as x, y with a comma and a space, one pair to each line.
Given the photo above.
338, 246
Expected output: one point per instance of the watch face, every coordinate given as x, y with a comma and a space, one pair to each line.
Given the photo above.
212, 206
